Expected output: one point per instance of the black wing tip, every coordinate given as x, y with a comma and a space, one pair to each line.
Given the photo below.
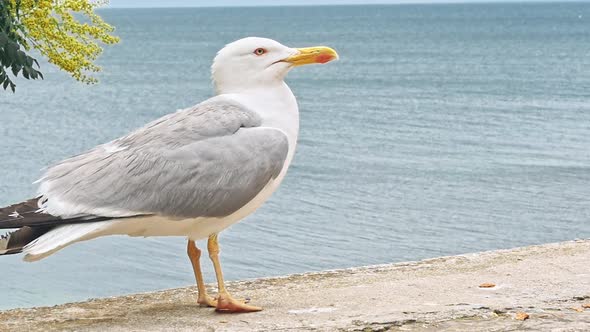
24, 214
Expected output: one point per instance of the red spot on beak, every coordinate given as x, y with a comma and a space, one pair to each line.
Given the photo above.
323, 58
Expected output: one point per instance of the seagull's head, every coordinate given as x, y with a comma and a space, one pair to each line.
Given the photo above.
254, 62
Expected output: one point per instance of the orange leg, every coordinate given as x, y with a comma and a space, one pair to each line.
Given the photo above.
194, 254
225, 303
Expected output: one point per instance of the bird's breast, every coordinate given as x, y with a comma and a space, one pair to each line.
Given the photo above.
276, 106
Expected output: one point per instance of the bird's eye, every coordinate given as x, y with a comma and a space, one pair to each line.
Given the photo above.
259, 51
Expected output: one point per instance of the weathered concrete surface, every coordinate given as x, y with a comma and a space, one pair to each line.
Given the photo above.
550, 282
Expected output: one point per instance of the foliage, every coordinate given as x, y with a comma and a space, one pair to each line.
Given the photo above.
66, 32
12, 57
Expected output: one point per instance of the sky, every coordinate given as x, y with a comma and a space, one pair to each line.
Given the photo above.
223, 3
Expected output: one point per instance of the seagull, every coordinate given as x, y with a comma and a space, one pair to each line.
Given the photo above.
191, 173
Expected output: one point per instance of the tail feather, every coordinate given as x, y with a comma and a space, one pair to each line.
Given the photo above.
14, 242
27, 213
30, 224
40, 234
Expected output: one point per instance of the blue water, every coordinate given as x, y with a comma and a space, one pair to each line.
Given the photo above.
444, 129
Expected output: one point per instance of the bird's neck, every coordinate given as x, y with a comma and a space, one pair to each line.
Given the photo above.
275, 104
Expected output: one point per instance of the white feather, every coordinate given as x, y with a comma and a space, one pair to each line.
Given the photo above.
61, 237
112, 147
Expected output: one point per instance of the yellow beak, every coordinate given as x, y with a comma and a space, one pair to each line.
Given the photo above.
309, 55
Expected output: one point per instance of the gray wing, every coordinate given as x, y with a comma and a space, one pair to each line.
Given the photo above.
205, 161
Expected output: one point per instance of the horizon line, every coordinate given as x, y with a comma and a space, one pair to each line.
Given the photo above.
401, 3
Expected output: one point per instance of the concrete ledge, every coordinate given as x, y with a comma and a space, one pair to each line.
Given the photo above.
551, 283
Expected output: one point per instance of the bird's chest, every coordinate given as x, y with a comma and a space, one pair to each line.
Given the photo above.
277, 110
